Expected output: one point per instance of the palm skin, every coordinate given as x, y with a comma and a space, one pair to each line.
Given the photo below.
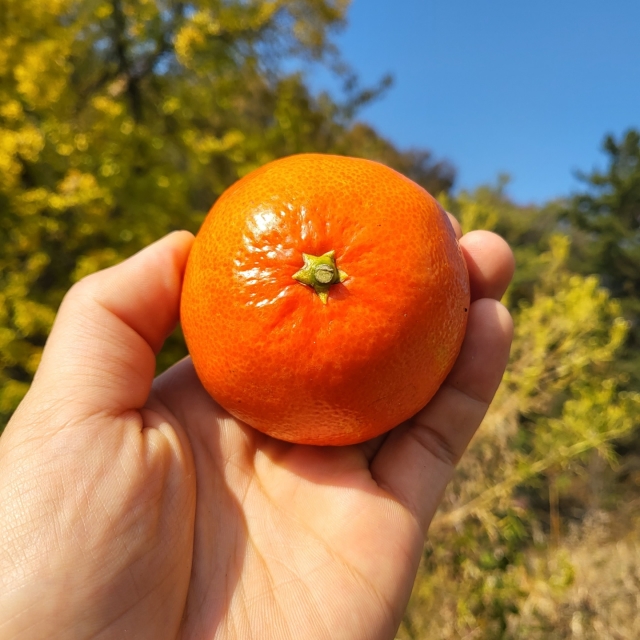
133, 508
309, 540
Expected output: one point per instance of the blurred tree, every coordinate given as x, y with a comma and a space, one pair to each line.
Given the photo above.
123, 120
609, 216
606, 219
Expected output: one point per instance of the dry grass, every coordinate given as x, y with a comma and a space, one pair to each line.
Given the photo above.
587, 588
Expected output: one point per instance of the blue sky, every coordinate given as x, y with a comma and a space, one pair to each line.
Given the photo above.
526, 88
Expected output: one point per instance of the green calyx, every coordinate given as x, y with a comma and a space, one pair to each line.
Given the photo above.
320, 272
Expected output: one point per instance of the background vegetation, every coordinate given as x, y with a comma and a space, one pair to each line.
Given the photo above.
122, 120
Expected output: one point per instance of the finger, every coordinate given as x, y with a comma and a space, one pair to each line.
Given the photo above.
455, 224
490, 263
416, 461
100, 356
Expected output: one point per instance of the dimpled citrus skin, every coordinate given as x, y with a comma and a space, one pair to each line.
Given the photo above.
265, 346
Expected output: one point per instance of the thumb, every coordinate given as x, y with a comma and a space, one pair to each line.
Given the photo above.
100, 356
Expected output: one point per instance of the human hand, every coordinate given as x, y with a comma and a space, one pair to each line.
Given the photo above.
139, 508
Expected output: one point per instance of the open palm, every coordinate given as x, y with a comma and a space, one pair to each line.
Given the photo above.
174, 520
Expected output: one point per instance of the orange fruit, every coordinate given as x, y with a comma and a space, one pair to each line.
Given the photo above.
325, 299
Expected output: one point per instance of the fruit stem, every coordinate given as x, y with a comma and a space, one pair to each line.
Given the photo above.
319, 273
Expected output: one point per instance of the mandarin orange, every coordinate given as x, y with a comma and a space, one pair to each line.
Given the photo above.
325, 299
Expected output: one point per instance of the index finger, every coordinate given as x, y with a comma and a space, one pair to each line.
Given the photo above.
455, 224
490, 263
